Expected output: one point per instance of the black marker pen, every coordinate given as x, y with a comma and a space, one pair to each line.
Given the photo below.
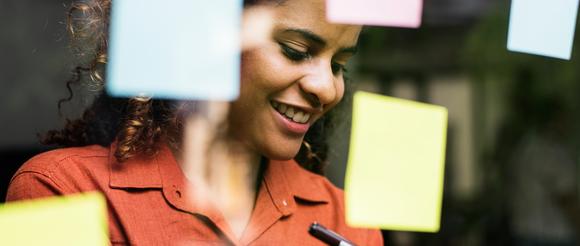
328, 236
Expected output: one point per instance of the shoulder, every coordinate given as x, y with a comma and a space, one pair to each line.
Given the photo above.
59, 172
51, 160
65, 160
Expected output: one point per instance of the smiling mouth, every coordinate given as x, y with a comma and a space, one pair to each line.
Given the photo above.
292, 113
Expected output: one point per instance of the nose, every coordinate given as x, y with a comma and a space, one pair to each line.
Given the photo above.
319, 84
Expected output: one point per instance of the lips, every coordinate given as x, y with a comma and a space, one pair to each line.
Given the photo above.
292, 113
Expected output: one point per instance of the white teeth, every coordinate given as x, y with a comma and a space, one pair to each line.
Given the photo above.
298, 117
305, 118
282, 109
290, 112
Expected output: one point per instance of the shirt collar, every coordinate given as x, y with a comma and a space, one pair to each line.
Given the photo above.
285, 180
137, 172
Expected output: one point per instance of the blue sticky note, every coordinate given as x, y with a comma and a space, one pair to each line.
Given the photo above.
543, 27
178, 49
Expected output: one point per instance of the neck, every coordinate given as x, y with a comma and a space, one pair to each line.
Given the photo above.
235, 170
224, 168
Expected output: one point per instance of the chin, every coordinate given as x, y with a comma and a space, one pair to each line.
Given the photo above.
282, 152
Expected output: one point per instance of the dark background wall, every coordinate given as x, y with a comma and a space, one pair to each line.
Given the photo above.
33, 65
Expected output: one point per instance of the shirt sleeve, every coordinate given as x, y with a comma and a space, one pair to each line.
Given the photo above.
31, 185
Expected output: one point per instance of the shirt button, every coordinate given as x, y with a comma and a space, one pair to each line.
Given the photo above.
284, 202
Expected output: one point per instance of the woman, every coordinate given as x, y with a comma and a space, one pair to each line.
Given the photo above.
132, 151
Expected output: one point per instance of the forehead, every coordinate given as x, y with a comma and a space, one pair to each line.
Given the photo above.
311, 15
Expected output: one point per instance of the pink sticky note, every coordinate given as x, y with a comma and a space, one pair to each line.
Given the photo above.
398, 13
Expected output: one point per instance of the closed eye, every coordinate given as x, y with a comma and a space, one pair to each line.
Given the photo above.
294, 54
298, 56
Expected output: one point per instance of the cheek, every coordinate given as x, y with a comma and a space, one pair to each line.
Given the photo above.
339, 86
248, 68
264, 69
339, 90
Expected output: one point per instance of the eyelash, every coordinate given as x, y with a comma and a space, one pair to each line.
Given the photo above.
294, 54
297, 56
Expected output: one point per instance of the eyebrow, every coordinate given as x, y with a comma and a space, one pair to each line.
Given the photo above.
315, 38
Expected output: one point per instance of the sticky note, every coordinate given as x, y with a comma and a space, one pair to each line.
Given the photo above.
543, 27
181, 49
397, 13
71, 220
395, 168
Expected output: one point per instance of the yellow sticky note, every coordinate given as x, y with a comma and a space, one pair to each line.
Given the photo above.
71, 220
395, 170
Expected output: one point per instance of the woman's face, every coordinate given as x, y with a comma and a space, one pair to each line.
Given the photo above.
290, 81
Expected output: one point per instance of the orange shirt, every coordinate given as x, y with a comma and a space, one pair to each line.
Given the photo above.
147, 203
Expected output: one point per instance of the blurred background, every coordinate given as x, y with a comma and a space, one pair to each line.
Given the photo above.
513, 139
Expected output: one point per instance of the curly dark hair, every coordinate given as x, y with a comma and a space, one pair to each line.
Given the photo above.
137, 124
